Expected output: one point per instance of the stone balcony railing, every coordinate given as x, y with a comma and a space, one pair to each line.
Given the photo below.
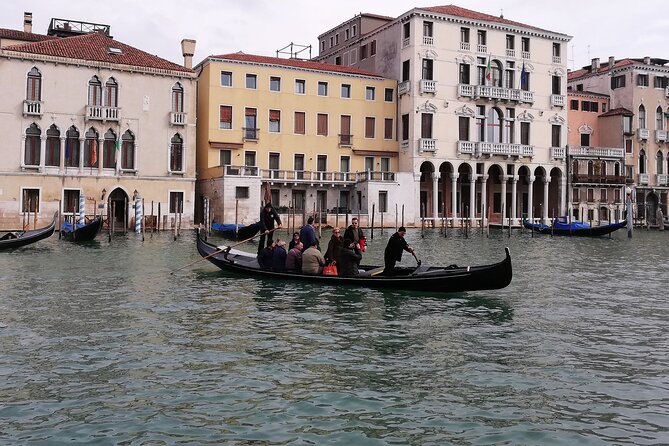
427, 145
662, 179
510, 52
345, 140
465, 46
499, 93
482, 48
643, 133
558, 153
241, 171
525, 54
558, 100
334, 178
643, 179
597, 152
32, 108
660, 135
403, 88
102, 113
466, 147
557, 59
580, 178
428, 86
178, 118
428, 40
504, 149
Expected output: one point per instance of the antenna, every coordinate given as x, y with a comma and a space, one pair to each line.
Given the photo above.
293, 50
572, 57
501, 13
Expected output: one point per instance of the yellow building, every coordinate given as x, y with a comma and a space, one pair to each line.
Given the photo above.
323, 137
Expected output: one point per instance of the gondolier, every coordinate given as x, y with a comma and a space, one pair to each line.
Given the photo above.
393, 253
267, 218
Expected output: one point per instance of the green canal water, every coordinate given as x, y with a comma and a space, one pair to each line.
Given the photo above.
100, 344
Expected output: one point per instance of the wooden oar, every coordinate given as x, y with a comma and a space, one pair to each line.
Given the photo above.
414, 256
227, 248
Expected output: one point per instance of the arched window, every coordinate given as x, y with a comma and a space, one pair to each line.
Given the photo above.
176, 153
591, 168
497, 70
616, 169
659, 158
109, 150
574, 167
94, 92
659, 119
111, 93
177, 98
52, 146
642, 117
642, 161
604, 169
91, 148
33, 142
72, 147
494, 125
128, 151
34, 88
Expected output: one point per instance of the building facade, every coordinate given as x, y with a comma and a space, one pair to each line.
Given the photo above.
312, 137
90, 116
639, 89
482, 109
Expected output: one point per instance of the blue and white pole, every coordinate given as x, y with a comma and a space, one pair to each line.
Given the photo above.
138, 214
82, 209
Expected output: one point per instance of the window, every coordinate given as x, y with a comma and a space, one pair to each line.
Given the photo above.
642, 117
372, 48
363, 52
388, 128
627, 124
509, 75
525, 44
353, 56
345, 128
585, 105
250, 158
370, 123
628, 146
406, 66
111, 93
71, 200
226, 79
127, 150
176, 202
345, 90
427, 29
369, 163
480, 122
556, 50
557, 85
659, 163
525, 81
52, 146
322, 89
176, 153
108, 150
177, 98
251, 81
274, 162
322, 163
510, 42
225, 157
405, 127
225, 120
573, 104
464, 74
481, 37
383, 201
617, 82
370, 93
345, 164
579, 87
322, 124
336, 39
406, 30
426, 125
659, 119
463, 124
299, 123
464, 35
300, 86
250, 123
94, 92
555, 135
34, 87
385, 164
33, 143
427, 65
347, 34
337, 60
642, 80
576, 195
298, 164
585, 139
660, 82
274, 83
91, 148
388, 94
274, 121
481, 68
525, 133
72, 147
642, 161
31, 200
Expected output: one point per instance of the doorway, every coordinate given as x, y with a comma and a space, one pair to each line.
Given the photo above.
118, 206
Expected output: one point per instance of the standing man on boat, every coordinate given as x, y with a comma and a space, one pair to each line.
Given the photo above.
393, 253
267, 218
308, 234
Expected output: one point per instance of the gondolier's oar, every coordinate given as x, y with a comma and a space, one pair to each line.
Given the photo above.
227, 248
414, 256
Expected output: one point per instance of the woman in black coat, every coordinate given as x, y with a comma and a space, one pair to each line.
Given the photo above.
349, 258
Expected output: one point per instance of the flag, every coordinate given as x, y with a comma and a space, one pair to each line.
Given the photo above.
94, 152
523, 78
488, 71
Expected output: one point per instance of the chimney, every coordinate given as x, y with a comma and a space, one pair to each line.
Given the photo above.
595, 64
646, 60
612, 61
188, 49
28, 22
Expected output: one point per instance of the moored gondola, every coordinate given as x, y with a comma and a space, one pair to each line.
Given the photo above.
576, 229
422, 278
12, 240
81, 233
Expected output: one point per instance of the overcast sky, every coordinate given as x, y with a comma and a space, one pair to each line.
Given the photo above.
600, 28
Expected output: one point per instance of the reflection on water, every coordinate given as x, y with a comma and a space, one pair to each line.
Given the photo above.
100, 344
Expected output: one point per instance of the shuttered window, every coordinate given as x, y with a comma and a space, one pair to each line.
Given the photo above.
370, 123
322, 127
226, 117
300, 123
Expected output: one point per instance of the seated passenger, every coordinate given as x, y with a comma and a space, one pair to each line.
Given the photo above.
294, 258
349, 257
294, 241
265, 257
279, 257
312, 260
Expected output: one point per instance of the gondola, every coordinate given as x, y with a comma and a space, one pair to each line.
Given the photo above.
575, 228
81, 233
12, 240
422, 278
235, 232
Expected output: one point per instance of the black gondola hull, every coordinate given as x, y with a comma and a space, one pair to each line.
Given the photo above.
595, 231
85, 233
28, 237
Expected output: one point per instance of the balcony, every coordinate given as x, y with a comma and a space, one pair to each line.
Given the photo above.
557, 100
525, 54
580, 178
372, 175
597, 152
428, 86
505, 94
241, 171
428, 40
643, 133
466, 90
405, 42
251, 134
557, 59
660, 135
662, 179
643, 179
427, 145
510, 52
32, 108
465, 46
504, 149
558, 153
100, 113
178, 118
482, 48
466, 147
345, 140
403, 88
333, 178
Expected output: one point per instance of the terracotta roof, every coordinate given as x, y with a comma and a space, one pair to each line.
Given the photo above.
618, 111
95, 47
602, 69
20, 35
469, 14
295, 63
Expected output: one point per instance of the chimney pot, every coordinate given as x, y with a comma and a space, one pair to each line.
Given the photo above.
595, 64
646, 60
28, 22
188, 49
612, 61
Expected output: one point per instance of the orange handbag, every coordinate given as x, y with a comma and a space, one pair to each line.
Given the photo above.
330, 270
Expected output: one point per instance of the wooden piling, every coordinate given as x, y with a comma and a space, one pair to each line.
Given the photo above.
371, 231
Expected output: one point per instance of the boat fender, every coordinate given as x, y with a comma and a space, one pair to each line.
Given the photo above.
468, 268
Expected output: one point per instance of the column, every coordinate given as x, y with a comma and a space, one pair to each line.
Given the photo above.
563, 195
81, 154
504, 180
101, 154
472, 197
435, 197
62, 153
530, 199
547, 181
454, 194
484, 199
514, 199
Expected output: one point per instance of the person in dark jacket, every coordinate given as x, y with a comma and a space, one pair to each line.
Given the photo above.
279, 257
265, 257
267, 218
294, 241
354, 232
334, 246
294, 259
308, 234
349, 258
393, 253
